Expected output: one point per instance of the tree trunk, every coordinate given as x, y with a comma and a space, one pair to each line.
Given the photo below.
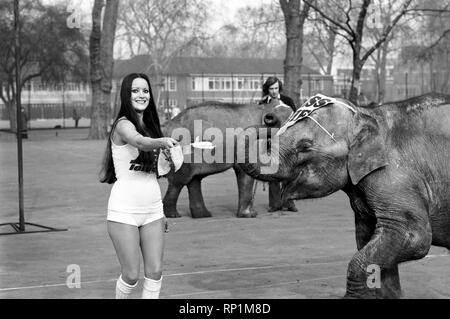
376, 84
382, 89
101, 47
12, 114
357, 67
331, 47
294, 21
445, 84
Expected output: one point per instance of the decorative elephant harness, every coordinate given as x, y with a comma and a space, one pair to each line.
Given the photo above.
311, 105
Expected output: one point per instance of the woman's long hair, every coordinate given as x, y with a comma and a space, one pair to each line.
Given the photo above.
150, 118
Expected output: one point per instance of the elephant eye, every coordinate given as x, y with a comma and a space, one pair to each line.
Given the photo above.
304, 145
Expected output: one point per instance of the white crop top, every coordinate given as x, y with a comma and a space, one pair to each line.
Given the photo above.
136, 190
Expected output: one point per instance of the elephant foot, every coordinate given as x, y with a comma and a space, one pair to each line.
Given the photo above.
290, 206
170, 207
247, 213
200, 213
377, 295
290, 209
171, 213
387, 290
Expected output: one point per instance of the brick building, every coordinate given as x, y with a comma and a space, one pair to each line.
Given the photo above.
191, 80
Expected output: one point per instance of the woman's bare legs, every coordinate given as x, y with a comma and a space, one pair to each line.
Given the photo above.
152, 246
126, 242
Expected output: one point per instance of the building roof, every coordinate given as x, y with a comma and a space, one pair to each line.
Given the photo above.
200, 65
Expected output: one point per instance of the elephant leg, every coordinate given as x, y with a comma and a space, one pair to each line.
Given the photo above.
245, 188
364, 229
171, 198
274, 196
373, 270
176, 182
196, 203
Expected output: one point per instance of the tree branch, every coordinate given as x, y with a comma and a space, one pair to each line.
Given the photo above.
329, 19
387, 30
444, 34
29, 77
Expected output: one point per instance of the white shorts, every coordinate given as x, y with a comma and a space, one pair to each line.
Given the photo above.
137, 220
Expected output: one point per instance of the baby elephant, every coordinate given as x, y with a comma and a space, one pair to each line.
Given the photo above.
393, 162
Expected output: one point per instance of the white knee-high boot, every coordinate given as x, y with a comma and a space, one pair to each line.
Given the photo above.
151, 288
123, 290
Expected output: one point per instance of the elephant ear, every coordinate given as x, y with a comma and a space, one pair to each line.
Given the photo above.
367, 152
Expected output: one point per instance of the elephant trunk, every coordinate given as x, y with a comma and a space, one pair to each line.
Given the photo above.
261, 158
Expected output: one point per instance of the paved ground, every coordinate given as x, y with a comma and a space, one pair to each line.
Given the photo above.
276, 255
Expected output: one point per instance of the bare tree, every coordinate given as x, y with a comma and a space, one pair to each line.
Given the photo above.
432, 51
294, 17
256, 32
351, 24
40, 55
322, 44
161, 29
101, 47
382, 15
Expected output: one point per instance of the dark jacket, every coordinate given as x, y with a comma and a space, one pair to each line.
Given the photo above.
284, 98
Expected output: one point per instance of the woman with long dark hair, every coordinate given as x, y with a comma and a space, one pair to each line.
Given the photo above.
136, 220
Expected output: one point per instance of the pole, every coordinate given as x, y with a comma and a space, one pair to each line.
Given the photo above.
434, 81
309, 85
63, 104
203, 87
422, 81
166, 111
29, 105
19, 228
232, 88
19, 114
406, 84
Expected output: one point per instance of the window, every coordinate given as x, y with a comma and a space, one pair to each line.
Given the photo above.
199, 83
318, 85
255, 85
246, 84
228, 84
170, 83
240, 83
217, 83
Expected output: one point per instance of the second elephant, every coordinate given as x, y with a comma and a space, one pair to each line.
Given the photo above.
222, 118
